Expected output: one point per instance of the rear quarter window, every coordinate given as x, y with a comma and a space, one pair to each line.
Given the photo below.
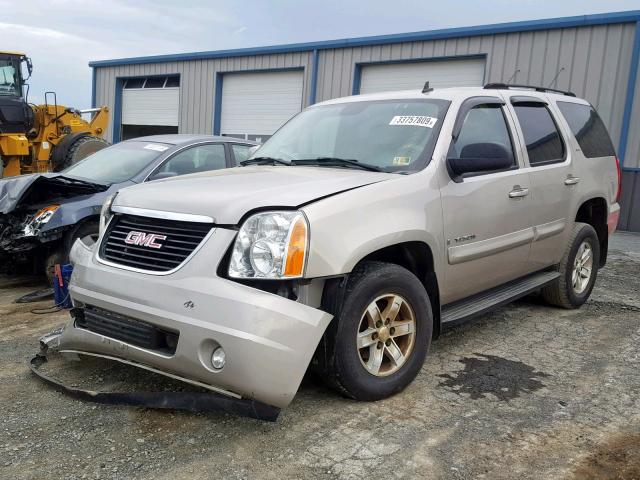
588, 128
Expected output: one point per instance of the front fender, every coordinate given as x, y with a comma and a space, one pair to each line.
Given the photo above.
347, 227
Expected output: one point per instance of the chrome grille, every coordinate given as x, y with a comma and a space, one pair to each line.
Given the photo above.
174, 241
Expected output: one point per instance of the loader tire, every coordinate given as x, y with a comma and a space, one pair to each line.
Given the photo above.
80, 149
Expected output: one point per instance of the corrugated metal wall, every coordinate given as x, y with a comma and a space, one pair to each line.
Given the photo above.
596, 63
197, 83
630, 202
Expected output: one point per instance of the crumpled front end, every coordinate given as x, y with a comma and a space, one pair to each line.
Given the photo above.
175, 322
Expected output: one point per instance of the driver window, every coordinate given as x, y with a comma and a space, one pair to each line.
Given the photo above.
196, 159
484, 125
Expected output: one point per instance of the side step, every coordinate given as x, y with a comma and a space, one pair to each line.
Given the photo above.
496, 297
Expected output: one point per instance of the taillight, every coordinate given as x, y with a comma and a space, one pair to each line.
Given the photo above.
619, 194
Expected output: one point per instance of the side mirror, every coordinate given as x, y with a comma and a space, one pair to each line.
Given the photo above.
479, 158
161, 175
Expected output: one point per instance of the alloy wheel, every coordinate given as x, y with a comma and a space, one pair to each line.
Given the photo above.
582, 268
386, 335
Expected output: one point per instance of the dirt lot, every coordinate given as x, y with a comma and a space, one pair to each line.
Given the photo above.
526, 392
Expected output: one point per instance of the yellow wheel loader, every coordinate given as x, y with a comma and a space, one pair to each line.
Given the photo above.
41, 138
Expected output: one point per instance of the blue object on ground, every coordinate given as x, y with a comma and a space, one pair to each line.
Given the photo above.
61, 285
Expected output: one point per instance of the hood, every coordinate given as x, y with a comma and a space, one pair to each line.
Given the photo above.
226, 195
37, 188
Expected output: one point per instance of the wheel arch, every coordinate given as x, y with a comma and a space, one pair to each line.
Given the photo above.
417, 257
594, 211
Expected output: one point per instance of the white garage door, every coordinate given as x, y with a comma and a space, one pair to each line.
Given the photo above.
413, 75
151, 101
255, 105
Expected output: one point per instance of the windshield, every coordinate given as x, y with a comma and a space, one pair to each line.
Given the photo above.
393, 135
9, 80
117, 163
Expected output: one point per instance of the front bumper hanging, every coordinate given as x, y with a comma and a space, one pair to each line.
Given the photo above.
189, 401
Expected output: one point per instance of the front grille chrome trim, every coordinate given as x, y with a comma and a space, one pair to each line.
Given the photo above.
140, 270
181, 217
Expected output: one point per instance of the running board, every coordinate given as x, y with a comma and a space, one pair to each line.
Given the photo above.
496, 297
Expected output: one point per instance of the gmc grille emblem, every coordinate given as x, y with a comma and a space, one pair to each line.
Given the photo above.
151, 240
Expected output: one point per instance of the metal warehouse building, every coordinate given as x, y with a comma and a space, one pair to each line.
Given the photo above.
251, 92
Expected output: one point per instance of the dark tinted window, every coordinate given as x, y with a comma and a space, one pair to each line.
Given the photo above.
134, 83
484, 124
155, 82
586, 125
544, 144
173, 81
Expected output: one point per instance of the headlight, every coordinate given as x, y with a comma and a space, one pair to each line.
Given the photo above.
105, 213
271, 245
32, 227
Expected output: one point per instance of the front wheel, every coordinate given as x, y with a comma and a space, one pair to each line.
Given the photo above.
381, 334
87, 232
578, 269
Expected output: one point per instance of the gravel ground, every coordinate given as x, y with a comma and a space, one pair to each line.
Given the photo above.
528, 391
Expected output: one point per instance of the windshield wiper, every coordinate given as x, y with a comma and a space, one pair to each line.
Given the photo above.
264, 161
338, 162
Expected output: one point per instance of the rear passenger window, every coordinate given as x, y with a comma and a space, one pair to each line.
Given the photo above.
241, 152
586, 125
484, 126
541, 135
201, 158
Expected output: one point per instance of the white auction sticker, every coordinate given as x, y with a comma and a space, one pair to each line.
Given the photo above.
414, 120
156, 147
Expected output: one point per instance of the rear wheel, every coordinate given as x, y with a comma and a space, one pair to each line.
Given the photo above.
381, 332
79, 150
578, 269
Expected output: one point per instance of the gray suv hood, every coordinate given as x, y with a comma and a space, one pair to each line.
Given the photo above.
227, 195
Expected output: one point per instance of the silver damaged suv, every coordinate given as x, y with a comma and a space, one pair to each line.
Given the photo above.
348, 241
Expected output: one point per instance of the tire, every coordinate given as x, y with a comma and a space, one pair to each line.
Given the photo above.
564, 292
79, 150
60, 254
350, 370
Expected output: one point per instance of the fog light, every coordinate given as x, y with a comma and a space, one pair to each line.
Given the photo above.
218, 358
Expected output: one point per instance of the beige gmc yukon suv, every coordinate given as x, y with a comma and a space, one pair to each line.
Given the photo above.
348, 241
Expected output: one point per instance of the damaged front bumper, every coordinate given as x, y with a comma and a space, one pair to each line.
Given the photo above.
190, 401
268, 340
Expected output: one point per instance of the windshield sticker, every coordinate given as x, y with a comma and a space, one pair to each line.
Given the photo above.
401, 160
413, 120
156, 147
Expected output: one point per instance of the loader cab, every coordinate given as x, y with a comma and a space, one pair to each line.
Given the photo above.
15, 114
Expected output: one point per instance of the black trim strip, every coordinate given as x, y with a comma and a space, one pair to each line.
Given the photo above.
189, 401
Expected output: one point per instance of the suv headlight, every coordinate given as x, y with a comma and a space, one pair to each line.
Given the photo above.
105, 212
32, 227
271, 245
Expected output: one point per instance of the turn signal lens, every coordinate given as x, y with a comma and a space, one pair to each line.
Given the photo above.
296, 249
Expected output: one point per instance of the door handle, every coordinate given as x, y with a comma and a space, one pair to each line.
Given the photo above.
518, 192
571, 180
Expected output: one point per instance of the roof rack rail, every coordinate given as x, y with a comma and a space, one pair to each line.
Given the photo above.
507, 86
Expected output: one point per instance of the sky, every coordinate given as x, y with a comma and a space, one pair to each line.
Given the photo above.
62, 36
